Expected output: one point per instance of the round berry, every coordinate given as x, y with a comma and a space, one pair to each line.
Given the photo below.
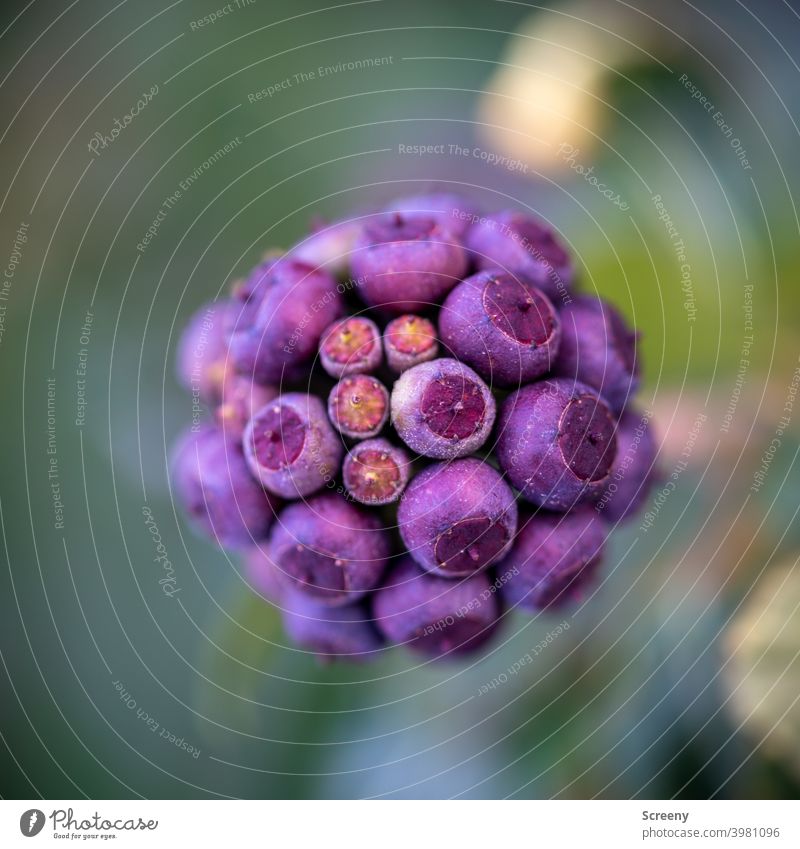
202, 355
358, 406
433, 616
263, 574
599, 349
453, 212
331, 550
501, 325
331, 633
554, 556
217, 491
376, 472
556, 442
634, 469
457, 518
406, 263
409, 340
291, 447
241, 398
442, 409
284, 336
522, 245
351, 346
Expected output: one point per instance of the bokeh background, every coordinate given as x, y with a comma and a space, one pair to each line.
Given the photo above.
678, 676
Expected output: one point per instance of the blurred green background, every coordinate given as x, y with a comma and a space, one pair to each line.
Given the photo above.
679, 676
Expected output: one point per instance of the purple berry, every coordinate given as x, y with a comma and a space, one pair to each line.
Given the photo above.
331, 633
240, 399
217, 491
329, 246
434, 616
453, 212
291, 447
409, 340
457, 518
351, 346
376, 472
284, 337
633, 471
442, 409
331, 550
554, 556
502, 326
556, 442
264, 575
521, 244
599, 349
358, 406
404, 263
203, 350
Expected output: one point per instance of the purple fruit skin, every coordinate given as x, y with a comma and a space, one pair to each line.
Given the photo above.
553, 558
363, 364
454, 212
433, 616
407, 417
213, 483
331, 550
634, 469
201, 360
329, 247
521, 244
472, 336
264, 575
528, 444
240, 399
318, 461
284, 336
447, 493
598, 348
399, 273
331, 633
400, 457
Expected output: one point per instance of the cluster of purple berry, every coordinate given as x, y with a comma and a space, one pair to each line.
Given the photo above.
418, 424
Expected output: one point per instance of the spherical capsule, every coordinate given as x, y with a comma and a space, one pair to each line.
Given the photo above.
263, 574
633, 471
202, 355
284, 336
404, 264
520, 244
453, 212
457, 518
599, 349
554, 557
331, 550
351, 346
433, 616
241, 398
556, 442
358, 406
329, 246
408, 341
216, 489
442, 409
376, 472
503, 326
291, 447
331, 633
